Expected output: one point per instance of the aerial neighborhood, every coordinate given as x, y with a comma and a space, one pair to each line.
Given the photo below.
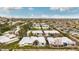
38, 34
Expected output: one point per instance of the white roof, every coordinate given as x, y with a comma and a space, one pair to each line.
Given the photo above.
74, 33
41, 39
38, 25
60, 40
4, 39
27, 40
7, 38
46, 31
51, 40
35, 31
51, 31
40, 31
65, 40
9, 35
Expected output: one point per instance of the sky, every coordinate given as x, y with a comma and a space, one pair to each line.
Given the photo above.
40, 12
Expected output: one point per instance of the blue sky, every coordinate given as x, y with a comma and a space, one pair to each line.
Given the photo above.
40, 12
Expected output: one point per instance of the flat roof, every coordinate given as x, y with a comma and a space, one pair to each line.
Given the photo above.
31, 40
46, 31
60, 40
4, 39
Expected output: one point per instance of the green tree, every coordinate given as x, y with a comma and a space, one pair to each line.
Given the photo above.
31, 34
36, 42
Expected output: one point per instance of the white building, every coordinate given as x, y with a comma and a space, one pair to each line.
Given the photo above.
30, 41
4, 39
51, 40
75, 33
7, 40
37, 26
35, 32
8, 37
39, 32
44, 26
40, 41
60, 41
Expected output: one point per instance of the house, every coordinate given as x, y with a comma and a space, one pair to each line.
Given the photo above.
74, 33
10, 35
35, 32
37, 26
52, 32
4, 39
26, 41
44, 26
60, 41
51, 41
8, 38
40, 41
35, 41
40, 33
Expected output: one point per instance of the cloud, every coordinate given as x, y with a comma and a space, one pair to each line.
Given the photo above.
8, 9
11, 8
45, 16
60, 8
53, 16
39, 16
30, 8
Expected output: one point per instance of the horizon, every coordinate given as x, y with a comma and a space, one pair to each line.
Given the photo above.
39, 12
